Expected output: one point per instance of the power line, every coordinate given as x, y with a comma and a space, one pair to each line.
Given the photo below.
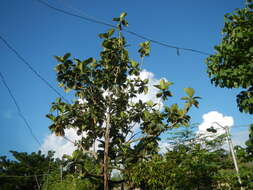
67, 139
231, 127
75, 15
31, 68
21, 176
98, 21
243, 125
165, 44
18, 108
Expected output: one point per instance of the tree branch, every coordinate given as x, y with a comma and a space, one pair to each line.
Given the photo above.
138, 139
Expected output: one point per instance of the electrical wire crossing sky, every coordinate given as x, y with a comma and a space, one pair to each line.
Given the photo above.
182, 35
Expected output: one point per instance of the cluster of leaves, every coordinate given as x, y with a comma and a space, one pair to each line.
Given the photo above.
232, 64
103, 109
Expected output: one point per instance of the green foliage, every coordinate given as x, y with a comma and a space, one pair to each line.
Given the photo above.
73, 176
232, 64
103, 108
191, 162
144, 49
247, 174
22, 172
80, 164
249, 143
69, 182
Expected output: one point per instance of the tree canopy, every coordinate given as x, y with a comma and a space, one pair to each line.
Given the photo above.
26, 171
191, 162
231, 66
105, 109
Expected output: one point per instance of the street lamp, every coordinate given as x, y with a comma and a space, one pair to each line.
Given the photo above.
231, 147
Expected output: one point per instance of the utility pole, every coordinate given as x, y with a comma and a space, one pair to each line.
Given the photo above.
37, 181
61, 172
231, 148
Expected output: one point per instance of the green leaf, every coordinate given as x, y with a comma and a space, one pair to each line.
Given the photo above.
185, 98
75, 154
158, 95
146, 114
52, 109
103, 35
60, 108
122, 114
157, 86
150, 103
240, 35
66, 56
59, 59
110, 32
122, 16
169, 83
196, 104
174, 107
189, 91
59, 67
50, 116
116, 19
89, 60
81, 66
163, 84
144, 49
134, 63
107, 44
167, 93
251, 50
145, 89
146, 81
125, 23
57, 100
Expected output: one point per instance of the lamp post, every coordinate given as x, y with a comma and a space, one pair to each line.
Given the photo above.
231, 147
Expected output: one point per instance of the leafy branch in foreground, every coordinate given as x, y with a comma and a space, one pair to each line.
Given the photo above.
231, 66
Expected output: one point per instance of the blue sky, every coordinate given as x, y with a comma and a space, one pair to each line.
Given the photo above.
39, 33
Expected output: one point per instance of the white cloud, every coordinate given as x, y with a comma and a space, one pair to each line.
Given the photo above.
151, 95
152, 91
164, 146
216, 120
60, 145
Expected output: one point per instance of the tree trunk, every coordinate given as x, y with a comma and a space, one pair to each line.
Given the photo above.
106, 151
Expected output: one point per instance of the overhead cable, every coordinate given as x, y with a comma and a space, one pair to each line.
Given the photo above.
19, 110
21, 176
97, 21
31, 67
